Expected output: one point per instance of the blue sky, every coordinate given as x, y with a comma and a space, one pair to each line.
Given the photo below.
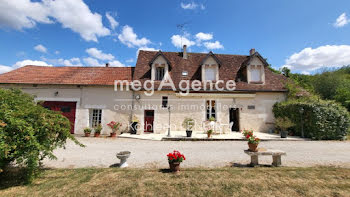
304, 35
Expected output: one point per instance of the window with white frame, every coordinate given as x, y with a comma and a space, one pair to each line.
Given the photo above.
95, 117
255, 73
160, 71
211, 109
210, 73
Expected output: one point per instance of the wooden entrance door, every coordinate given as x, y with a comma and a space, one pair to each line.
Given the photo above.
149, 118
67, 109
234, 119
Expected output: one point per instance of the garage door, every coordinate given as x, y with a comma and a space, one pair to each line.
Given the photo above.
67, 109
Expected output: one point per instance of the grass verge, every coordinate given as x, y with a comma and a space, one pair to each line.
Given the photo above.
261, 181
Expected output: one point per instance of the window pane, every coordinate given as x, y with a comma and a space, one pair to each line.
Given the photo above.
160, 73
255, 74
164, 101
210, 74
95, 117
210, 105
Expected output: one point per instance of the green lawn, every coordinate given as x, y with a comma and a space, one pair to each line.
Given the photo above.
260, 181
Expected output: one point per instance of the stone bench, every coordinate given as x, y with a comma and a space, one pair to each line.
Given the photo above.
276, 156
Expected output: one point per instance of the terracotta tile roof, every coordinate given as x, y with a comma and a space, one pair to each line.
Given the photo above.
230, 65
67, 75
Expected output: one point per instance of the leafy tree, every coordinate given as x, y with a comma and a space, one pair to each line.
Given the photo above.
29, 132
286, 71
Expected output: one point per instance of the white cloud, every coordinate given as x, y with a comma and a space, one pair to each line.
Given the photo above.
99, 54
341, 21
4, 69
129, 38
40, 48
30, 62
192, 6
75, 15
22, 63
178, 41
65, 62
57, 52
89, 61
145, 49
129, 60
22, 14
310, 59
116, 63
213, 45
112, 21
204, 36
70, 62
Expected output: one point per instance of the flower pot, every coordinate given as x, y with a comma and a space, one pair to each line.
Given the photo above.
209, 135
97, 134
253, 147
188, 133
113, 135
174, 166
87, 134
284, 134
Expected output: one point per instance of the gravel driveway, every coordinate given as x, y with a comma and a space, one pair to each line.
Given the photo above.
100, 152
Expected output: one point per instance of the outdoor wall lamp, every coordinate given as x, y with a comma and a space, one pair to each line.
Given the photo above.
56, 94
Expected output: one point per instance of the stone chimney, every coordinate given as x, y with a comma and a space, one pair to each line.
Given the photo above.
184, 54
107, 64
252, 51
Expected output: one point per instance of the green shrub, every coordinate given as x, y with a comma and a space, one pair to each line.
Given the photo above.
98, 128
29, 132
87, 130
321, 120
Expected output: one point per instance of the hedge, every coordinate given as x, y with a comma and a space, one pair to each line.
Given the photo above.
321, 120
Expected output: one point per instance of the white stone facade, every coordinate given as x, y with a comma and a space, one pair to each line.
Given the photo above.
255, 109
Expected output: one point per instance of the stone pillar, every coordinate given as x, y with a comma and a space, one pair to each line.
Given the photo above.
276, 160
254, 160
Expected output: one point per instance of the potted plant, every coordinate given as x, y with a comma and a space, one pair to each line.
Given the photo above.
97, 130
134, 123
87, 132
283, 124
209, 132
188, 124
115, 126
253, 141
175, 158
212, 121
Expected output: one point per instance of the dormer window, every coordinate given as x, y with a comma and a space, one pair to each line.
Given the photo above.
160, 71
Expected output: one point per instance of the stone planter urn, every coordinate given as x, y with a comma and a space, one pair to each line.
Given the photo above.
123, 156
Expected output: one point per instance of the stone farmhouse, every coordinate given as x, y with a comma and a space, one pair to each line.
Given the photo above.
245, 89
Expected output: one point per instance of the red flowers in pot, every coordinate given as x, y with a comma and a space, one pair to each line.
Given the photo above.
115, 126
253, 141
174, 159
